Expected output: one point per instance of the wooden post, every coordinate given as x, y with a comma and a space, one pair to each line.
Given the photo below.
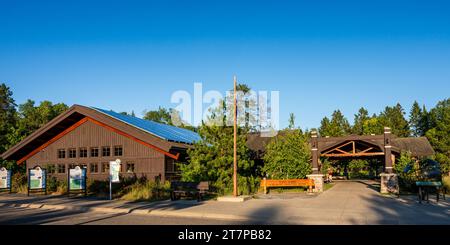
265, 185
387, 150
235, 188
315, 152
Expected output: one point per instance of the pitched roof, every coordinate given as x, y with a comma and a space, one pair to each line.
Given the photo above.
161, 137
163, 131
418, 146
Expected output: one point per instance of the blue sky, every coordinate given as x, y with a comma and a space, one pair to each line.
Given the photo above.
320, 55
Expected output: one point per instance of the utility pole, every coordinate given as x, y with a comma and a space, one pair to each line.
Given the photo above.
235, 188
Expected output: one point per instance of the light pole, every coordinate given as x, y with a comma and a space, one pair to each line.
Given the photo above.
235, 188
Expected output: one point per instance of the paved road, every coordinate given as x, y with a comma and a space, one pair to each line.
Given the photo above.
27, 216
345, 203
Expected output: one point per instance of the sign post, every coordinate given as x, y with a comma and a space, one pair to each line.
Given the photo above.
5, 179
37, 180
114, 170
77, 180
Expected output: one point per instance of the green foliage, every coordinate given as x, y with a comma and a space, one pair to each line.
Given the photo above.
7, 115
288, 156
145, 190
446, 182
408, 178
162, 115
291, 121
358, 168
212, 160
337, 126
56, 186
326, 165
418, 120
359, 125
33, 117
394, 117
19, 183
439, 133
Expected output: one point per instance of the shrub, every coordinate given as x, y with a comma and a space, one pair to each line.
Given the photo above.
446, 182
145, 190
358, 169
406, 169
19, 183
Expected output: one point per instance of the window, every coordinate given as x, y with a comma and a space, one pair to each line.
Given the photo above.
83, 152
72, 153
105, 167
51, 168
61, 153
106, 151
72, 165
94, 168
61, 168
130, 167
172, 166
83, 166
94, 152
118, 151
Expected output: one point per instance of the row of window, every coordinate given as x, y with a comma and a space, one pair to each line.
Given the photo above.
94, 152
93, 167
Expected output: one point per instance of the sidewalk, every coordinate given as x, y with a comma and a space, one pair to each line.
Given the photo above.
345, 203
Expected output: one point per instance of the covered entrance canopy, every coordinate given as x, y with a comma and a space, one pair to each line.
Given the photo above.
386, 146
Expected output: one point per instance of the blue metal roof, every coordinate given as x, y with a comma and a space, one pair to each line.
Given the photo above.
163, 131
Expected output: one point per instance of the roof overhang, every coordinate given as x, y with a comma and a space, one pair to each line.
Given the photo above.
74, 117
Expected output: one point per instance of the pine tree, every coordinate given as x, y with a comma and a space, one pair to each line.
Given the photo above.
439, 133
360, 121
394, 117
7, 116
417, 120
291, 121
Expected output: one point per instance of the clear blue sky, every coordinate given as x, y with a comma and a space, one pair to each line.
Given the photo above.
320, 55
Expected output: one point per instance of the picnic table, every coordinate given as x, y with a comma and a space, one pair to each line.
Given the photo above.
426, 186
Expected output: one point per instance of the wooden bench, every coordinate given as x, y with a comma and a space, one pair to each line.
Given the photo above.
265, 184
186, 189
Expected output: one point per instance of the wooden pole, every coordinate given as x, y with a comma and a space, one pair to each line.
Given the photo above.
235, 188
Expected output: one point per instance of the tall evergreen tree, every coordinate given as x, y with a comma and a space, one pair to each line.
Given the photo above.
211, 159
394, 117
338, 126
7, 116
360, 121
439, 133
325, 127
418, 120
291, 121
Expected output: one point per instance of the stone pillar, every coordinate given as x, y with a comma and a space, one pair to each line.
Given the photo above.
318, 182
389, 183
387, 151
315, 152
389, 180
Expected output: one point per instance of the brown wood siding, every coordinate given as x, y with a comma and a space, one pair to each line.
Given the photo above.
147, 161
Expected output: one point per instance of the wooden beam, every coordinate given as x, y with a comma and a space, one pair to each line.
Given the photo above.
354, 155
135, 139
57, 137
337, 147
366, 150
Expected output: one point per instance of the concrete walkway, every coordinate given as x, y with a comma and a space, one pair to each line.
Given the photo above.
345, 203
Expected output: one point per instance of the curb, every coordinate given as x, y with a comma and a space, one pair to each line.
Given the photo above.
148, 212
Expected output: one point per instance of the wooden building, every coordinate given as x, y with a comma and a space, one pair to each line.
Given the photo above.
386, 147
92, 137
